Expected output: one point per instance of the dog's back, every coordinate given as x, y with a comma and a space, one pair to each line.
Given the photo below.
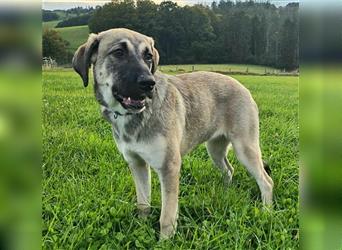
215, 105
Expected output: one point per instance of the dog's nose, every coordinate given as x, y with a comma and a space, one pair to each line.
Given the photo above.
146, 82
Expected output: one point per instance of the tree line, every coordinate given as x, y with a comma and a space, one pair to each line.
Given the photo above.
48, 15
225, 32
71, 17
75, 21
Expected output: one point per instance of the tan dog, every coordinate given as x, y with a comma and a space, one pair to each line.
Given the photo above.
157, 118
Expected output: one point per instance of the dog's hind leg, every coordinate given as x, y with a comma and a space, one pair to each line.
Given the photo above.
248, 153
218, 149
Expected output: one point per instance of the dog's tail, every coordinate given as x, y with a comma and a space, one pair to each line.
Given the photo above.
267, 167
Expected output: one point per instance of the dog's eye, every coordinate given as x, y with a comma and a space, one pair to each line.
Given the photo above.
148, 57
118, 53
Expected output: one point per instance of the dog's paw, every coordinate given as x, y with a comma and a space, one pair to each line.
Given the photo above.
267, 208
267, 200
167, 232
227, 179
143, 211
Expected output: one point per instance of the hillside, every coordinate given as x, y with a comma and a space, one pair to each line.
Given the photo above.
50, 24
75, 35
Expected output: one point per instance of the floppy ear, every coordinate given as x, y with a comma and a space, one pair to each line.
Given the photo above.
155, 58
82, 59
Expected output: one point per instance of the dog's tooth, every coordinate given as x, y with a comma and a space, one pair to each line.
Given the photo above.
129, 99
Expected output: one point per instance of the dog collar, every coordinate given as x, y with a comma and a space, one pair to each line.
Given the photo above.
117, 114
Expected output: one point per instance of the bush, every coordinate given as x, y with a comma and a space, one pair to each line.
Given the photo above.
55, 47
49, 15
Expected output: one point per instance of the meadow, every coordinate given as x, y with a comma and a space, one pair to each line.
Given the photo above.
50, 24
228, 68
88, 192
75, 35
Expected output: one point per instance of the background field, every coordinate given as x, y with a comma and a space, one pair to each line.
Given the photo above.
50, 24
75, 35
228, 68
89, 196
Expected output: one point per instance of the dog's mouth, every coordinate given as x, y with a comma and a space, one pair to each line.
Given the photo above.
130, 103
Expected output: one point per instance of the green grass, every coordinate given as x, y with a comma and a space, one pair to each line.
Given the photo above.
89, 196
50, 24
172, 69
75, 35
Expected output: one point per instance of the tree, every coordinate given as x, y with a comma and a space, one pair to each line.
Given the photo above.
117, 14
255, 37
146, 14
48, 15
170, 32
258, 39
288, 46
198, 33
240, 31
55, 47
74, 21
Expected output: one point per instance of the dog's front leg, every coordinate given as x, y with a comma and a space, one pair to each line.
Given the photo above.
142, 179
169, 182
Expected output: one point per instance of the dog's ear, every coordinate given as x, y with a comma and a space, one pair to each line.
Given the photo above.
82, 59
155, 58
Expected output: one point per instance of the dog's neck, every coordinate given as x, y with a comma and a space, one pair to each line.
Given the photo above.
133, 125
129, 125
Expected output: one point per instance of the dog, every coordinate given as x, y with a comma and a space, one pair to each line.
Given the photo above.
157, 118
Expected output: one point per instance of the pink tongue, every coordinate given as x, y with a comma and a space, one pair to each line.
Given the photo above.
129, 101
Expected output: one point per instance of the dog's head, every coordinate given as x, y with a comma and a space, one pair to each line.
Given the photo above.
124, 63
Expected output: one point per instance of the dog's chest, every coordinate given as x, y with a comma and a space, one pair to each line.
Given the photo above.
152, 151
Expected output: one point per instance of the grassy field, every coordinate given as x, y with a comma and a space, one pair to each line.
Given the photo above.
50, 24
75, 35
243, 68
89, 196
